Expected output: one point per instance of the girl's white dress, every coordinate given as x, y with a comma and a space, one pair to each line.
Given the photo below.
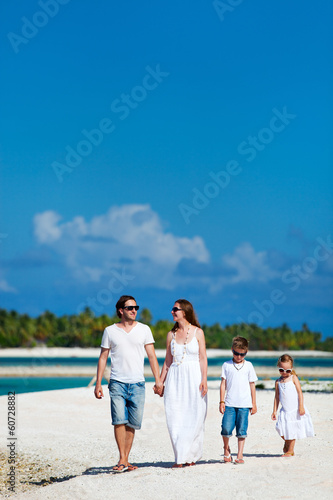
290, 424
185, 408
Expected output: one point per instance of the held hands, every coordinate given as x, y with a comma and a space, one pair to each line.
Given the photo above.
98, 392
159, 389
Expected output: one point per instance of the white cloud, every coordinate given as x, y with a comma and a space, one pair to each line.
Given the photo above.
46, 229
129, 236
5, 287
249, 265
243, 266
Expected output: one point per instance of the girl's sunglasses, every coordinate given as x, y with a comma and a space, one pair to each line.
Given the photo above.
130, 308
175, 309
282, 370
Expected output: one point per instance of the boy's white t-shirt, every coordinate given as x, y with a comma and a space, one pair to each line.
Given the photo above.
127, 351
238, 392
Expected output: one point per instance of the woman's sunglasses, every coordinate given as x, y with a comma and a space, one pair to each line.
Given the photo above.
282, 370
130, 308
175, 309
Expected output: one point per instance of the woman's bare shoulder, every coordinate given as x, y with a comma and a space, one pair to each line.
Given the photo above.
199, 332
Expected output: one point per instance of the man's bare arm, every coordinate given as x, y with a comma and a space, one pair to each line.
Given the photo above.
103, 359
154, 366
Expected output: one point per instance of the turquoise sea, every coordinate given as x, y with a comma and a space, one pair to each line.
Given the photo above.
34, 384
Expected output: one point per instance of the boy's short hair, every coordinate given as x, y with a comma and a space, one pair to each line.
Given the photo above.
240, 343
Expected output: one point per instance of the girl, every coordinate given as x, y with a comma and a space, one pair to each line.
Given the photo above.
294, 421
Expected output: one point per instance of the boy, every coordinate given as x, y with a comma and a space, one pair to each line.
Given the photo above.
238, 380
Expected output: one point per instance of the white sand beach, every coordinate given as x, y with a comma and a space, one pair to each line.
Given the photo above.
66, 450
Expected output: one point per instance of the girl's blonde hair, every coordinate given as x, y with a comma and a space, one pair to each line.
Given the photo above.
286, 358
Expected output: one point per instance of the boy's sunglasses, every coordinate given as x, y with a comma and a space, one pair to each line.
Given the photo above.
282, 370
130, 308
175, 309
239, 353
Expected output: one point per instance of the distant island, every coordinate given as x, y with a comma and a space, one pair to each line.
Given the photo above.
86, 329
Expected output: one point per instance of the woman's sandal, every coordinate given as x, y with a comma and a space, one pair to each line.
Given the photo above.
177, 466
288, 454
239, 461
120, 468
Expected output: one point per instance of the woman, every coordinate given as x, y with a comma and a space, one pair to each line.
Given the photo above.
185, 375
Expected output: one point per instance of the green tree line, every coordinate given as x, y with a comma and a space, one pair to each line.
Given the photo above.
86, 329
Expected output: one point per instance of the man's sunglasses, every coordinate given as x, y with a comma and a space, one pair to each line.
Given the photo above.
239, 353
130, 308
282, 370
175, 309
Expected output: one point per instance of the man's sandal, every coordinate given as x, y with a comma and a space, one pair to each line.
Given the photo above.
227, 459
288, 454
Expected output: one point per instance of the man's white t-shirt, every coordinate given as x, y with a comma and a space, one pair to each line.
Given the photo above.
127, 351
238, 383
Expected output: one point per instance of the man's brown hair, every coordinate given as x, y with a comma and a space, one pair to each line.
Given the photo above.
122, 301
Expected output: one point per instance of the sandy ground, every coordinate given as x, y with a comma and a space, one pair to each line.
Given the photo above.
66, 450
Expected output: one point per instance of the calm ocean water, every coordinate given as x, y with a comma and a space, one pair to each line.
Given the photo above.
34, 384
19, 385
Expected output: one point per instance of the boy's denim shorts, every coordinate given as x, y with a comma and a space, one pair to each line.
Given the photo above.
235, 417
127, 403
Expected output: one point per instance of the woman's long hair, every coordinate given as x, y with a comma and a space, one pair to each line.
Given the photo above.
285, 358
190, 315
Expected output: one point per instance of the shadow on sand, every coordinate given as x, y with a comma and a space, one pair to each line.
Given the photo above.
94, 471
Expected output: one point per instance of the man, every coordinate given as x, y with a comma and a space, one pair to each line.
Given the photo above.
127, 341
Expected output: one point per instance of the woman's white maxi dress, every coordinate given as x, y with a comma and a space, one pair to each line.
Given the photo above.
185, 408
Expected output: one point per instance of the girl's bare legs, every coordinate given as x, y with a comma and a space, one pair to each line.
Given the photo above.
289, 448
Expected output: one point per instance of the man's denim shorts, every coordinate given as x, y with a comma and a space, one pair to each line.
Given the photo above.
127, 403
235, 417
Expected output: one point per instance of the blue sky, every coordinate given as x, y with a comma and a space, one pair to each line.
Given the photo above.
168, 150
